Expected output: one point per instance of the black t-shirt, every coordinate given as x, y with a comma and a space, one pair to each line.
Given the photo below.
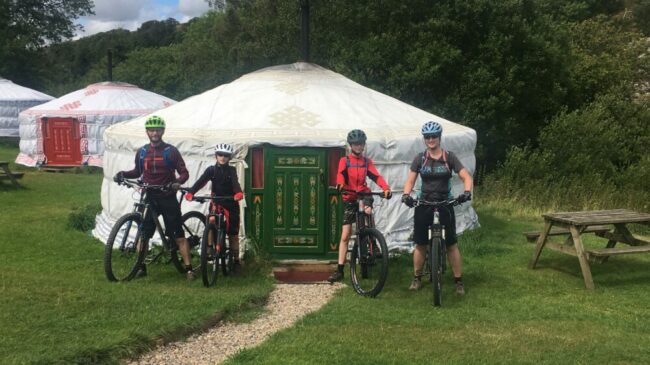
436, 174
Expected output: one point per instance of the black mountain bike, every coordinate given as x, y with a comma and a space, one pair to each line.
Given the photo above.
215, 245
369, 255
435, 264
127, 248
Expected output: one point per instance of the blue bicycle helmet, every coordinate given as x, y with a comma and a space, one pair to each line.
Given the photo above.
431, 128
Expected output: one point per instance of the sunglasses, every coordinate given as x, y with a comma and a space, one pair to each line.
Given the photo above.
431, 136
223, 154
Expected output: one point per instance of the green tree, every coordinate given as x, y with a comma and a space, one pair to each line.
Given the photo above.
26, 25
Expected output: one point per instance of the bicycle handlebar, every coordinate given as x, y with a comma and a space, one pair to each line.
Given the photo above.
140, 184
362, 193
452, 202
204, 198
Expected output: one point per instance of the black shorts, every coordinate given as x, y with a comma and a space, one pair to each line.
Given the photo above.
233, 217
350, 209
170, 209
423, 218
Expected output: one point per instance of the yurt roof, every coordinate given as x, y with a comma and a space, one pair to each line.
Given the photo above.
12, 92
296, 104
104, 98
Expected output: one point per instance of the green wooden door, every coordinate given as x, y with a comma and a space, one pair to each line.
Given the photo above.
294, 221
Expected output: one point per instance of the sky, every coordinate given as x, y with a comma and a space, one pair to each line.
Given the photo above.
130, 14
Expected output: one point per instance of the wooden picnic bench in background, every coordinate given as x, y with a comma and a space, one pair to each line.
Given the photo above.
6, 174
609, 224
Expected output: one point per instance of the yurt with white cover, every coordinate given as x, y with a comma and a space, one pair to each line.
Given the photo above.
68, 131
13, 100
288, 125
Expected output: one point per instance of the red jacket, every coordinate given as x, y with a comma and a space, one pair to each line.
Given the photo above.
353, 177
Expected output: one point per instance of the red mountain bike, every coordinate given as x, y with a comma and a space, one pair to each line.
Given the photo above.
215, 246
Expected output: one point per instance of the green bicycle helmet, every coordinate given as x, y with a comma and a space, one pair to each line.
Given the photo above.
154, 121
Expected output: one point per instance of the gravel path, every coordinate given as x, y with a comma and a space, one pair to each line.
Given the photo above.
287, 303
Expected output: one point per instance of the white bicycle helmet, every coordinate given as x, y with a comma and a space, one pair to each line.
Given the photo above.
223, 148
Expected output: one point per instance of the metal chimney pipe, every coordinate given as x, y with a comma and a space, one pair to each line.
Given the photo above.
304, 30
110, 65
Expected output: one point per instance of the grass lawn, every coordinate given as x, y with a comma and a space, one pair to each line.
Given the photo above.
56, 306
510, 314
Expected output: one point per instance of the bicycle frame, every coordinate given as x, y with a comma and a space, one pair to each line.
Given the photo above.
145, 209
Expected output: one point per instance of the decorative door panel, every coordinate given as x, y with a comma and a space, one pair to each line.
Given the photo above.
61, 141
296, 216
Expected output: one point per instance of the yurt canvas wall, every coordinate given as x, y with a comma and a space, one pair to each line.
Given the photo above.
68, 131
13, 100
290, 108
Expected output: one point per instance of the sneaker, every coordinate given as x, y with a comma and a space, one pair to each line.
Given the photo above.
460, 288
142, 272
236, 268
190, 275
336, 276
416, 284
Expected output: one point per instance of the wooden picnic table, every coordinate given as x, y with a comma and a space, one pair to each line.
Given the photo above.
7, 174
574, 224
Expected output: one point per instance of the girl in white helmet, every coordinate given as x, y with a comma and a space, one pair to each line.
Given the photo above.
224, 182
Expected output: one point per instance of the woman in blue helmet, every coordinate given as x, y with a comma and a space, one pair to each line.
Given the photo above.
435, 167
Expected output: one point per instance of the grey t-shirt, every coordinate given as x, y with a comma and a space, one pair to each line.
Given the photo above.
436, 174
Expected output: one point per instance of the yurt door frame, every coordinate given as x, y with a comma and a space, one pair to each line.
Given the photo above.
293, 209
61, 141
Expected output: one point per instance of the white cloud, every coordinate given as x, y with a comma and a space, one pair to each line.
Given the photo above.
130, 14
119, 10
193, 8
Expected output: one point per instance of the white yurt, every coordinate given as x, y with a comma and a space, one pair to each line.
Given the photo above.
13, 100
288, 125
68, 131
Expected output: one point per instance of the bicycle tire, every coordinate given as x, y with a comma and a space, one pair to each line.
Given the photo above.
209, 258
436, 269
226, 260
122, 257
369, 263
193, 227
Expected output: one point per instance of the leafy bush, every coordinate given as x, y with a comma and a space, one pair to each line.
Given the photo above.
83, 219
590, 158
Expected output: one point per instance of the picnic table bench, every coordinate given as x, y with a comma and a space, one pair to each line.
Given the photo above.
609, 224
6, 174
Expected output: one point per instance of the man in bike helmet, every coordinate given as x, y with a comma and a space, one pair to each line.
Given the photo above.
435, 167
157, 163
352, 173
224, 182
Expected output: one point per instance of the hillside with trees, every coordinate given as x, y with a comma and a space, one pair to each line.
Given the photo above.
551, 86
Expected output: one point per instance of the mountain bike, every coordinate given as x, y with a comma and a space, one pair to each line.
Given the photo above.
435, 263
215, 245
369, 254
127, 248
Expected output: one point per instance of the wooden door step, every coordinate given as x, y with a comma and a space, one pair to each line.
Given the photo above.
302, 271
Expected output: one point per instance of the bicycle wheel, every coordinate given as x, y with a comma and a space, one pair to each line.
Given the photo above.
369, 263
193, 226
209, 256
226, 260
125, 249
436, 269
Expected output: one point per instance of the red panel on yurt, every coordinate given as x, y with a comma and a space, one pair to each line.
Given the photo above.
61, 141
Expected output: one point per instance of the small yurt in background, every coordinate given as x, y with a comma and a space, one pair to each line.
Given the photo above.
288, 125
68, 131
13, 100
